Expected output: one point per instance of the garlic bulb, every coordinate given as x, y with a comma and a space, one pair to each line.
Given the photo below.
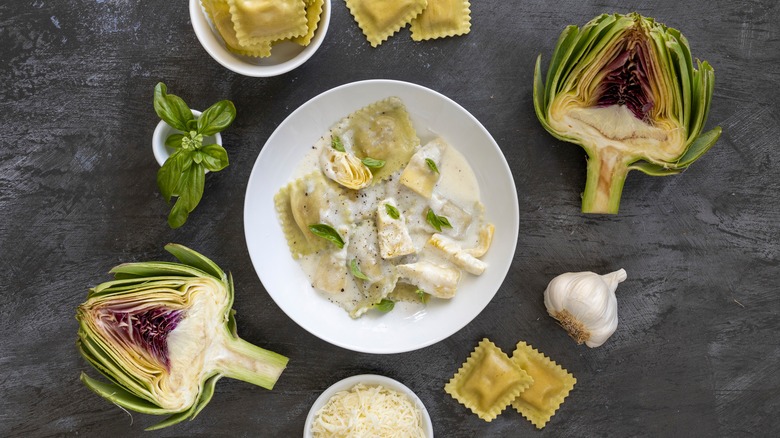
584, 304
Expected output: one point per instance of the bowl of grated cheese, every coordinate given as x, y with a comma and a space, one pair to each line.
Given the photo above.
368, 405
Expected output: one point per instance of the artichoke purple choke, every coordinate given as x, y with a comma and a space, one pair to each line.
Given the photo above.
625, 89
163, 333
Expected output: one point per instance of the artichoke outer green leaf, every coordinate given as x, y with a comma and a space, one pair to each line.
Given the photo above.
625, 89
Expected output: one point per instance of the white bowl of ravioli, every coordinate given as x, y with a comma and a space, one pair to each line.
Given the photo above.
468, 162
270, 53
387, 403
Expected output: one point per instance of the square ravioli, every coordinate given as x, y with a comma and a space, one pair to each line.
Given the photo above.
551, 385
488, 381
379, 19
442, 18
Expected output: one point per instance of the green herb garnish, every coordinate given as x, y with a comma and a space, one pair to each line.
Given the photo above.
437, 221
432, 165
423, 296
356, 271
385, 305
327, 232
336, 143
392, 211
373, 163
183, 173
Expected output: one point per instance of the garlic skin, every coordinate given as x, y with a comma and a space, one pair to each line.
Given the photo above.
584, 303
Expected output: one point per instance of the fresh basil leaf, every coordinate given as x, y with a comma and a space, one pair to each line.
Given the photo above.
336, 143
192, 125
353, 267
178, 215
171, 108
170, 172
215, 157
437, 221
424, 297
385, 305
433, 220
373, 163
174, 141
432, 165
216, 117
392, 211
192, 185
197, 157
327, 232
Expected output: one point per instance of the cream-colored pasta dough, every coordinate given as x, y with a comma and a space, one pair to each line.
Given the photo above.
392, 219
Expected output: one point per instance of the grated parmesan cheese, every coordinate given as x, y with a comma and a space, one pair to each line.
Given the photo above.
368, 411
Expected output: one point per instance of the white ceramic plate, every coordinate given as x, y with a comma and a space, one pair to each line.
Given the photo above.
372, 380
409, 326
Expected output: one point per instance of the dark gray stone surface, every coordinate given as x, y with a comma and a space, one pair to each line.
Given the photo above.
696, 351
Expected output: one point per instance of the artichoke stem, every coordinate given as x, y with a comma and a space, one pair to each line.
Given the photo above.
250, 363
607, 171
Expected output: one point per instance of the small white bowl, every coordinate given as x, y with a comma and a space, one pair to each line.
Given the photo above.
284, 56
372, 380
163, 130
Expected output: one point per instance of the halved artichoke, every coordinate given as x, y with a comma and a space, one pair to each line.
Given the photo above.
163, 333
624, 88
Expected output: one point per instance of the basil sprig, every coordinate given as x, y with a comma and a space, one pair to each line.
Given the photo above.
437, 221
327, 232
183, 173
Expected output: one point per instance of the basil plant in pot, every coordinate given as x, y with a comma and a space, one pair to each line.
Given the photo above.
183, 174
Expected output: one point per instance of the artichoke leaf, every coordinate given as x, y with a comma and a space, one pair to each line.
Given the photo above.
194, 259
154, 269
117, 394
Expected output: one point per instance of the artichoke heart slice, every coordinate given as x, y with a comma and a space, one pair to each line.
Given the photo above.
345, 168
624, 87
457, 255
439, 281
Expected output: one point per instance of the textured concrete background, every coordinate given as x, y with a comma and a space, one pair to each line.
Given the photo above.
696, 351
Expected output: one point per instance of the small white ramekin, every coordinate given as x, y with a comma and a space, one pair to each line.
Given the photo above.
284, 57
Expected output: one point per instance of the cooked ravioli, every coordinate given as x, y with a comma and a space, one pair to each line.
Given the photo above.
382, 131
422, 172
381, 18
310, 200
